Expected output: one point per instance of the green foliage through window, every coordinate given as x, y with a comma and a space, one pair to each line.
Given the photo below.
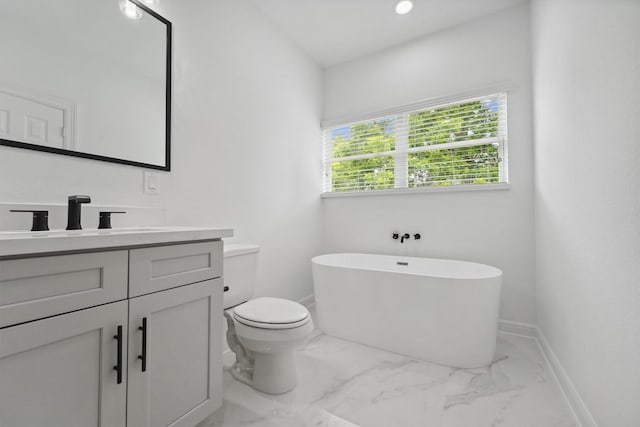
453, 144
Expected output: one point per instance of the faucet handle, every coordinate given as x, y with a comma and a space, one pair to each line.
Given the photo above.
105, 219
40, 219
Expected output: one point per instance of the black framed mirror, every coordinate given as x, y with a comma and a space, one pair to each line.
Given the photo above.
87, 78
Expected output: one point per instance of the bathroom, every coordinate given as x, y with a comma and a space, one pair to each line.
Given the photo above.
253, 81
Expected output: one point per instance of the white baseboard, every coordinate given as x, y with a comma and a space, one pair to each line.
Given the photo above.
574, 401
308, 301
573, 398
517, 328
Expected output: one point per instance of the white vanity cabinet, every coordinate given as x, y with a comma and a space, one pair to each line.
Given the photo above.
159, 306
182, 381
58, 372
34, 288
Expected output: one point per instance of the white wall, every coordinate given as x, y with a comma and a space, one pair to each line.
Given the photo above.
247, 124
587, 200
494, 227
247, 108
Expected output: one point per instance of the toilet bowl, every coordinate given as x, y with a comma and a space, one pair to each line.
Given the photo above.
264, 332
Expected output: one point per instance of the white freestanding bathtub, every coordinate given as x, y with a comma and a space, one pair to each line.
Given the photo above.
438, 310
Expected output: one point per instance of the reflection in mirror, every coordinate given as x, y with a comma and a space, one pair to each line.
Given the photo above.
89, 78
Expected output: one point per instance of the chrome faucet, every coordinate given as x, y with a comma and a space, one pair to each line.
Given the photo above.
73, 215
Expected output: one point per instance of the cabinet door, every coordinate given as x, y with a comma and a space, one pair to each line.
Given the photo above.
182, 383
59, 372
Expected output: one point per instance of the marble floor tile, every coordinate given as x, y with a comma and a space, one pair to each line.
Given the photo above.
517, 389
344, 384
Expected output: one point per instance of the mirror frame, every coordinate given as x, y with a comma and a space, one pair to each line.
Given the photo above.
167, 166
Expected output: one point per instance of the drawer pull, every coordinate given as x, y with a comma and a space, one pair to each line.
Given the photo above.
143, 356
118, 367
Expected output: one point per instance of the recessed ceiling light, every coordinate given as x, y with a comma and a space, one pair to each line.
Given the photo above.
130, 10
403, 7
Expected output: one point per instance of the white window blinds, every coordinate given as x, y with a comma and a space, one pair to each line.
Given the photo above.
454, 143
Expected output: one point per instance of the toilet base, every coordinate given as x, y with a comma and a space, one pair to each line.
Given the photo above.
275, 373
271, 373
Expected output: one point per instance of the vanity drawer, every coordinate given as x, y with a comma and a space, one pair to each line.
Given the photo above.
163, 267
33, 288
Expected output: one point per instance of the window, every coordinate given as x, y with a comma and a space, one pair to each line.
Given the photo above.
436, 145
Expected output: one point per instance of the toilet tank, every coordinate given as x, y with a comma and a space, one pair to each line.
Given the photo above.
240, 272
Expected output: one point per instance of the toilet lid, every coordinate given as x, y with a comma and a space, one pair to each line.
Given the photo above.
271, 313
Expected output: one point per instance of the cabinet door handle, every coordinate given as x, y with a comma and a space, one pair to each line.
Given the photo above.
143, 356
118, 367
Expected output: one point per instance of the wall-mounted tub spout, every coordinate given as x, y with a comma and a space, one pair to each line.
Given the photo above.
405, 236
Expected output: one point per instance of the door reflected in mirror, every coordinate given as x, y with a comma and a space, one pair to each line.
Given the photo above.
86, 78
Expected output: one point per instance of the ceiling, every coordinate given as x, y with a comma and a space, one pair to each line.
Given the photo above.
335, 31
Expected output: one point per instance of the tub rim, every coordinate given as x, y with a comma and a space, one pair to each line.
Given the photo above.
495, 272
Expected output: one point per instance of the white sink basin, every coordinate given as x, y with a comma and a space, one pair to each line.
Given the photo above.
88, 232
16, 243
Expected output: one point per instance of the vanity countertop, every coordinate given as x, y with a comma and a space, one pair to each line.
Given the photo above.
18, 243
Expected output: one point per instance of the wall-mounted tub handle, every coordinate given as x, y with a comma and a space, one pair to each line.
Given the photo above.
226, 289
143, 356
118, 367
417, 236
395, 236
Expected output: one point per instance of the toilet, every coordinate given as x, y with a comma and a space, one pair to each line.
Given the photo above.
264, 332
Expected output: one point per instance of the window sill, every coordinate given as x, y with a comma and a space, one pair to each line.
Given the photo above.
421, 190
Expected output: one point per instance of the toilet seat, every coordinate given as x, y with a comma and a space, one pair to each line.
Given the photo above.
271, 313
